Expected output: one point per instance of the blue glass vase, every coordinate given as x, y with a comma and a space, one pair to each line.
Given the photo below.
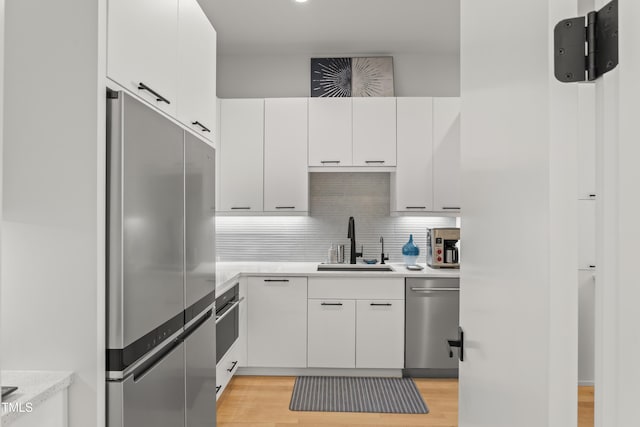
410, 252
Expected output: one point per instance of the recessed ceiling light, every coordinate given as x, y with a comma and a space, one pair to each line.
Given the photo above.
301, 1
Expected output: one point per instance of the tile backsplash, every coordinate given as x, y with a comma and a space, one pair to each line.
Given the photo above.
334, 197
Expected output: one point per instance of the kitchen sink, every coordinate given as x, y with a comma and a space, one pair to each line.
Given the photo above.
354, 267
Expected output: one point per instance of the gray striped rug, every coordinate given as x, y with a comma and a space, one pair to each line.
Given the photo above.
357, 394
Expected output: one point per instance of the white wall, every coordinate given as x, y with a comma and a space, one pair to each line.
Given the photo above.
274, 76
52, 250
1, 146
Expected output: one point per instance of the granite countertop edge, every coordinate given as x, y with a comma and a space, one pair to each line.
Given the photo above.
34, 387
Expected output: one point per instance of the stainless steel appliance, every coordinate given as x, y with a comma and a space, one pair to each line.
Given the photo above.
442, 247
432, 313
160, 271
227, 320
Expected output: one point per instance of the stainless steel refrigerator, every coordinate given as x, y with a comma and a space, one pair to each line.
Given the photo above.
161, 357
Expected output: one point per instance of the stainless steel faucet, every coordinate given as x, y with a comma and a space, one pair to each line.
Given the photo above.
351, 234
383, 258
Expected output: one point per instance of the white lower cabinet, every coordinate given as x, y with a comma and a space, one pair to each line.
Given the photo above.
277, 322
380, 334
226, 368
332, 334
356, 323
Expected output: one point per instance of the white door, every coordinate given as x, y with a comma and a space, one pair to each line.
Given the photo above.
618, 230
518, 302
413, 179
330, 132
286, 182
380, 334
240, 150
446, 154
143, 49
374, 131
282, 341
196, 103
332, 333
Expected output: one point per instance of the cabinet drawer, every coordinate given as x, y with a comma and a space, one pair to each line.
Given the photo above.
226, 368
356, 288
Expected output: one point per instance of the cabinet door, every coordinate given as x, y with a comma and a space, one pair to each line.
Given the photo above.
142, 47
332, 333
413, 183
380, 334
586, 327
587, 139
286, 186
196, 103
446, 154
280, 342
374, 131
330, 132
241, 147
586, 234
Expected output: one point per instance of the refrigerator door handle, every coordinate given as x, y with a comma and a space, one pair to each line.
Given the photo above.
150, 364
191, 329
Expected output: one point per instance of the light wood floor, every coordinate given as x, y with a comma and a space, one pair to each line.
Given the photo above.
264, 402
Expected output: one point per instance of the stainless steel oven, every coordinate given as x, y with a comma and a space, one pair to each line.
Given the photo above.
227, 320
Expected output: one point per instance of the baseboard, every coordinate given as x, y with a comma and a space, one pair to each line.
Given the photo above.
586, 383
294, 372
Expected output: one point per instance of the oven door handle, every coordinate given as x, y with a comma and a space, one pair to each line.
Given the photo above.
233, 306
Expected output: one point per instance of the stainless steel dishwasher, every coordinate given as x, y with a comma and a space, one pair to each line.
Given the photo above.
431, 318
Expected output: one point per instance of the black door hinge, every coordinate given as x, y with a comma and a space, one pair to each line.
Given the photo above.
587, 51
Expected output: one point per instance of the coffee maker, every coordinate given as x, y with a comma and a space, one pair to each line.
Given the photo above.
442, 247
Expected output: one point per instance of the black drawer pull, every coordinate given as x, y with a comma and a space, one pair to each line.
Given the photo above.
374, 304
285, 207
451, 208
592, 266
329, 161
332, 303
374, 161
218, 389
241, 207
232, 366
416, 207
142, 86
276, 280
204, 128
592, 195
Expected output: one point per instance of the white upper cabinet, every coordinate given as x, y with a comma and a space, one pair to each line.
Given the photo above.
241, 155
446, 154
286, 187
196, 101
374, 131
142, 49
330, 132
412, 183
587, 141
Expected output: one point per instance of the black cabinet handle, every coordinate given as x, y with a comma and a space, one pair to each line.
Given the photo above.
241, 207
451, 208
218, 389
416, 207
142, 86
592, 195
331, 303
381, 304
285, 207
204, 128
374, 161
329, 161
276, 280
592, 266
232, 366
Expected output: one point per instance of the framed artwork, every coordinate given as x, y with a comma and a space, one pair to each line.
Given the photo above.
345, 77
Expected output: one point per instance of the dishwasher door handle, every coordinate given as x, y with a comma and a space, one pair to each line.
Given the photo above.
435, 289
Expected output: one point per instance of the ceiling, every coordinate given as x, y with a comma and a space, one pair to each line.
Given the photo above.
335, 26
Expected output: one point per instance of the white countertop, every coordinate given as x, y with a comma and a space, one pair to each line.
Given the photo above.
34, 388
228, 272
